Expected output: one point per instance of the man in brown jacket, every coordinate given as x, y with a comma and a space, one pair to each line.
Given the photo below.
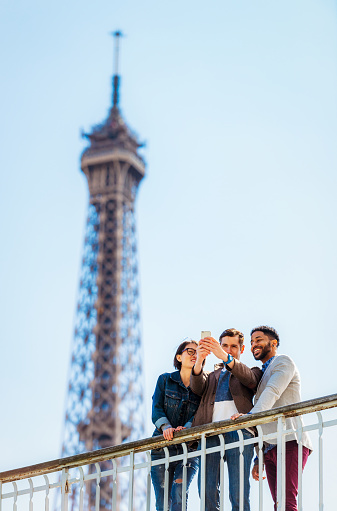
227, 390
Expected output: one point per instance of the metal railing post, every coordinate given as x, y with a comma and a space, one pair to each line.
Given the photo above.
15, 500
81, 488
148, 482
46, 502
300, 462
64, 489
31, 494
114, 485
131, 479
320, 459
261, 463
280, 465
184, 495
241, 470
222, 475
202, 472
166, 479
98, 486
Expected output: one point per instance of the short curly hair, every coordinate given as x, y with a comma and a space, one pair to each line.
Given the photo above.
269, 331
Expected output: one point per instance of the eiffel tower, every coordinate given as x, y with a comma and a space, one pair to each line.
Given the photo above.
105, 398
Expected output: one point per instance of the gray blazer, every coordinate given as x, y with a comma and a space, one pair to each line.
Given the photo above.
280, 385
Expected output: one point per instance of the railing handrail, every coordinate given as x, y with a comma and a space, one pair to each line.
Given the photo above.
188, 435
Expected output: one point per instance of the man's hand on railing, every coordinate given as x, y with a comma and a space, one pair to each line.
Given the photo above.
168, 433
237, 415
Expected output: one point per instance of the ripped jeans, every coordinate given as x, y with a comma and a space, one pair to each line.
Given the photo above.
175, 478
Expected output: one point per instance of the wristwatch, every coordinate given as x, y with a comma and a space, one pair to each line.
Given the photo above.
230, 359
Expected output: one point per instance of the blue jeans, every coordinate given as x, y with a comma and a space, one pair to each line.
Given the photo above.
232, 457
175, 473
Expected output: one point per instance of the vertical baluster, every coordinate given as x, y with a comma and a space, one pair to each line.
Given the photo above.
98, 487
15, 500
166, 479
46, 500
131, 479
148, 481
320, 459
114, 485
184, 497
241, 470
81, 496
0, 496
31, 493
203, 472
260, 439
280, 465
299, 431
283, 468
222, 465
64, 489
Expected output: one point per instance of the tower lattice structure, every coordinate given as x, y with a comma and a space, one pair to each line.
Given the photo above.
105, 398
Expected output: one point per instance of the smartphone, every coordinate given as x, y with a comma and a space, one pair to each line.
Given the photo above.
205, 333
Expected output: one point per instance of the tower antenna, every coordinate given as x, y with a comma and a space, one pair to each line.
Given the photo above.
116, 77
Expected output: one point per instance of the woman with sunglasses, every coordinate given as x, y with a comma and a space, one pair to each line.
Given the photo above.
173, 408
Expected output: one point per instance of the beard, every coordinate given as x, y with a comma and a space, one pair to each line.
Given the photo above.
264, 352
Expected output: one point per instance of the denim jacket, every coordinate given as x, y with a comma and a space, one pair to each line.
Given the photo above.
173, 403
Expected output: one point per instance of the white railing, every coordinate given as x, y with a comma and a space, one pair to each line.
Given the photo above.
68, 483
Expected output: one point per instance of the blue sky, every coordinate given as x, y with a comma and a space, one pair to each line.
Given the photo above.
236, 218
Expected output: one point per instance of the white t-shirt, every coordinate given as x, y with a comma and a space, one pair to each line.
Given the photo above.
224, 406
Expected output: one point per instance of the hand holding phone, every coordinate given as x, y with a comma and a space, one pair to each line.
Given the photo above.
202, 353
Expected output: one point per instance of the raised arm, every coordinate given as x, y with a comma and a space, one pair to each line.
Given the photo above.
248, 377
198, 380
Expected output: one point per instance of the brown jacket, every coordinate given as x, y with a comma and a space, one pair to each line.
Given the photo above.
243, 382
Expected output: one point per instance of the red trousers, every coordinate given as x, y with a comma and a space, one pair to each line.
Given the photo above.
270, 461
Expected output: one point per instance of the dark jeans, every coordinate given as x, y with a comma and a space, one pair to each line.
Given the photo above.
232, 457
270, 461
175, 473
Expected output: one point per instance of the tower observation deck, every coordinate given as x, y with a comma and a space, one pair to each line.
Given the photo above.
105, 397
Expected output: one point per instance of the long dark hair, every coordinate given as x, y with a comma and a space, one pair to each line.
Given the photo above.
179, 351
